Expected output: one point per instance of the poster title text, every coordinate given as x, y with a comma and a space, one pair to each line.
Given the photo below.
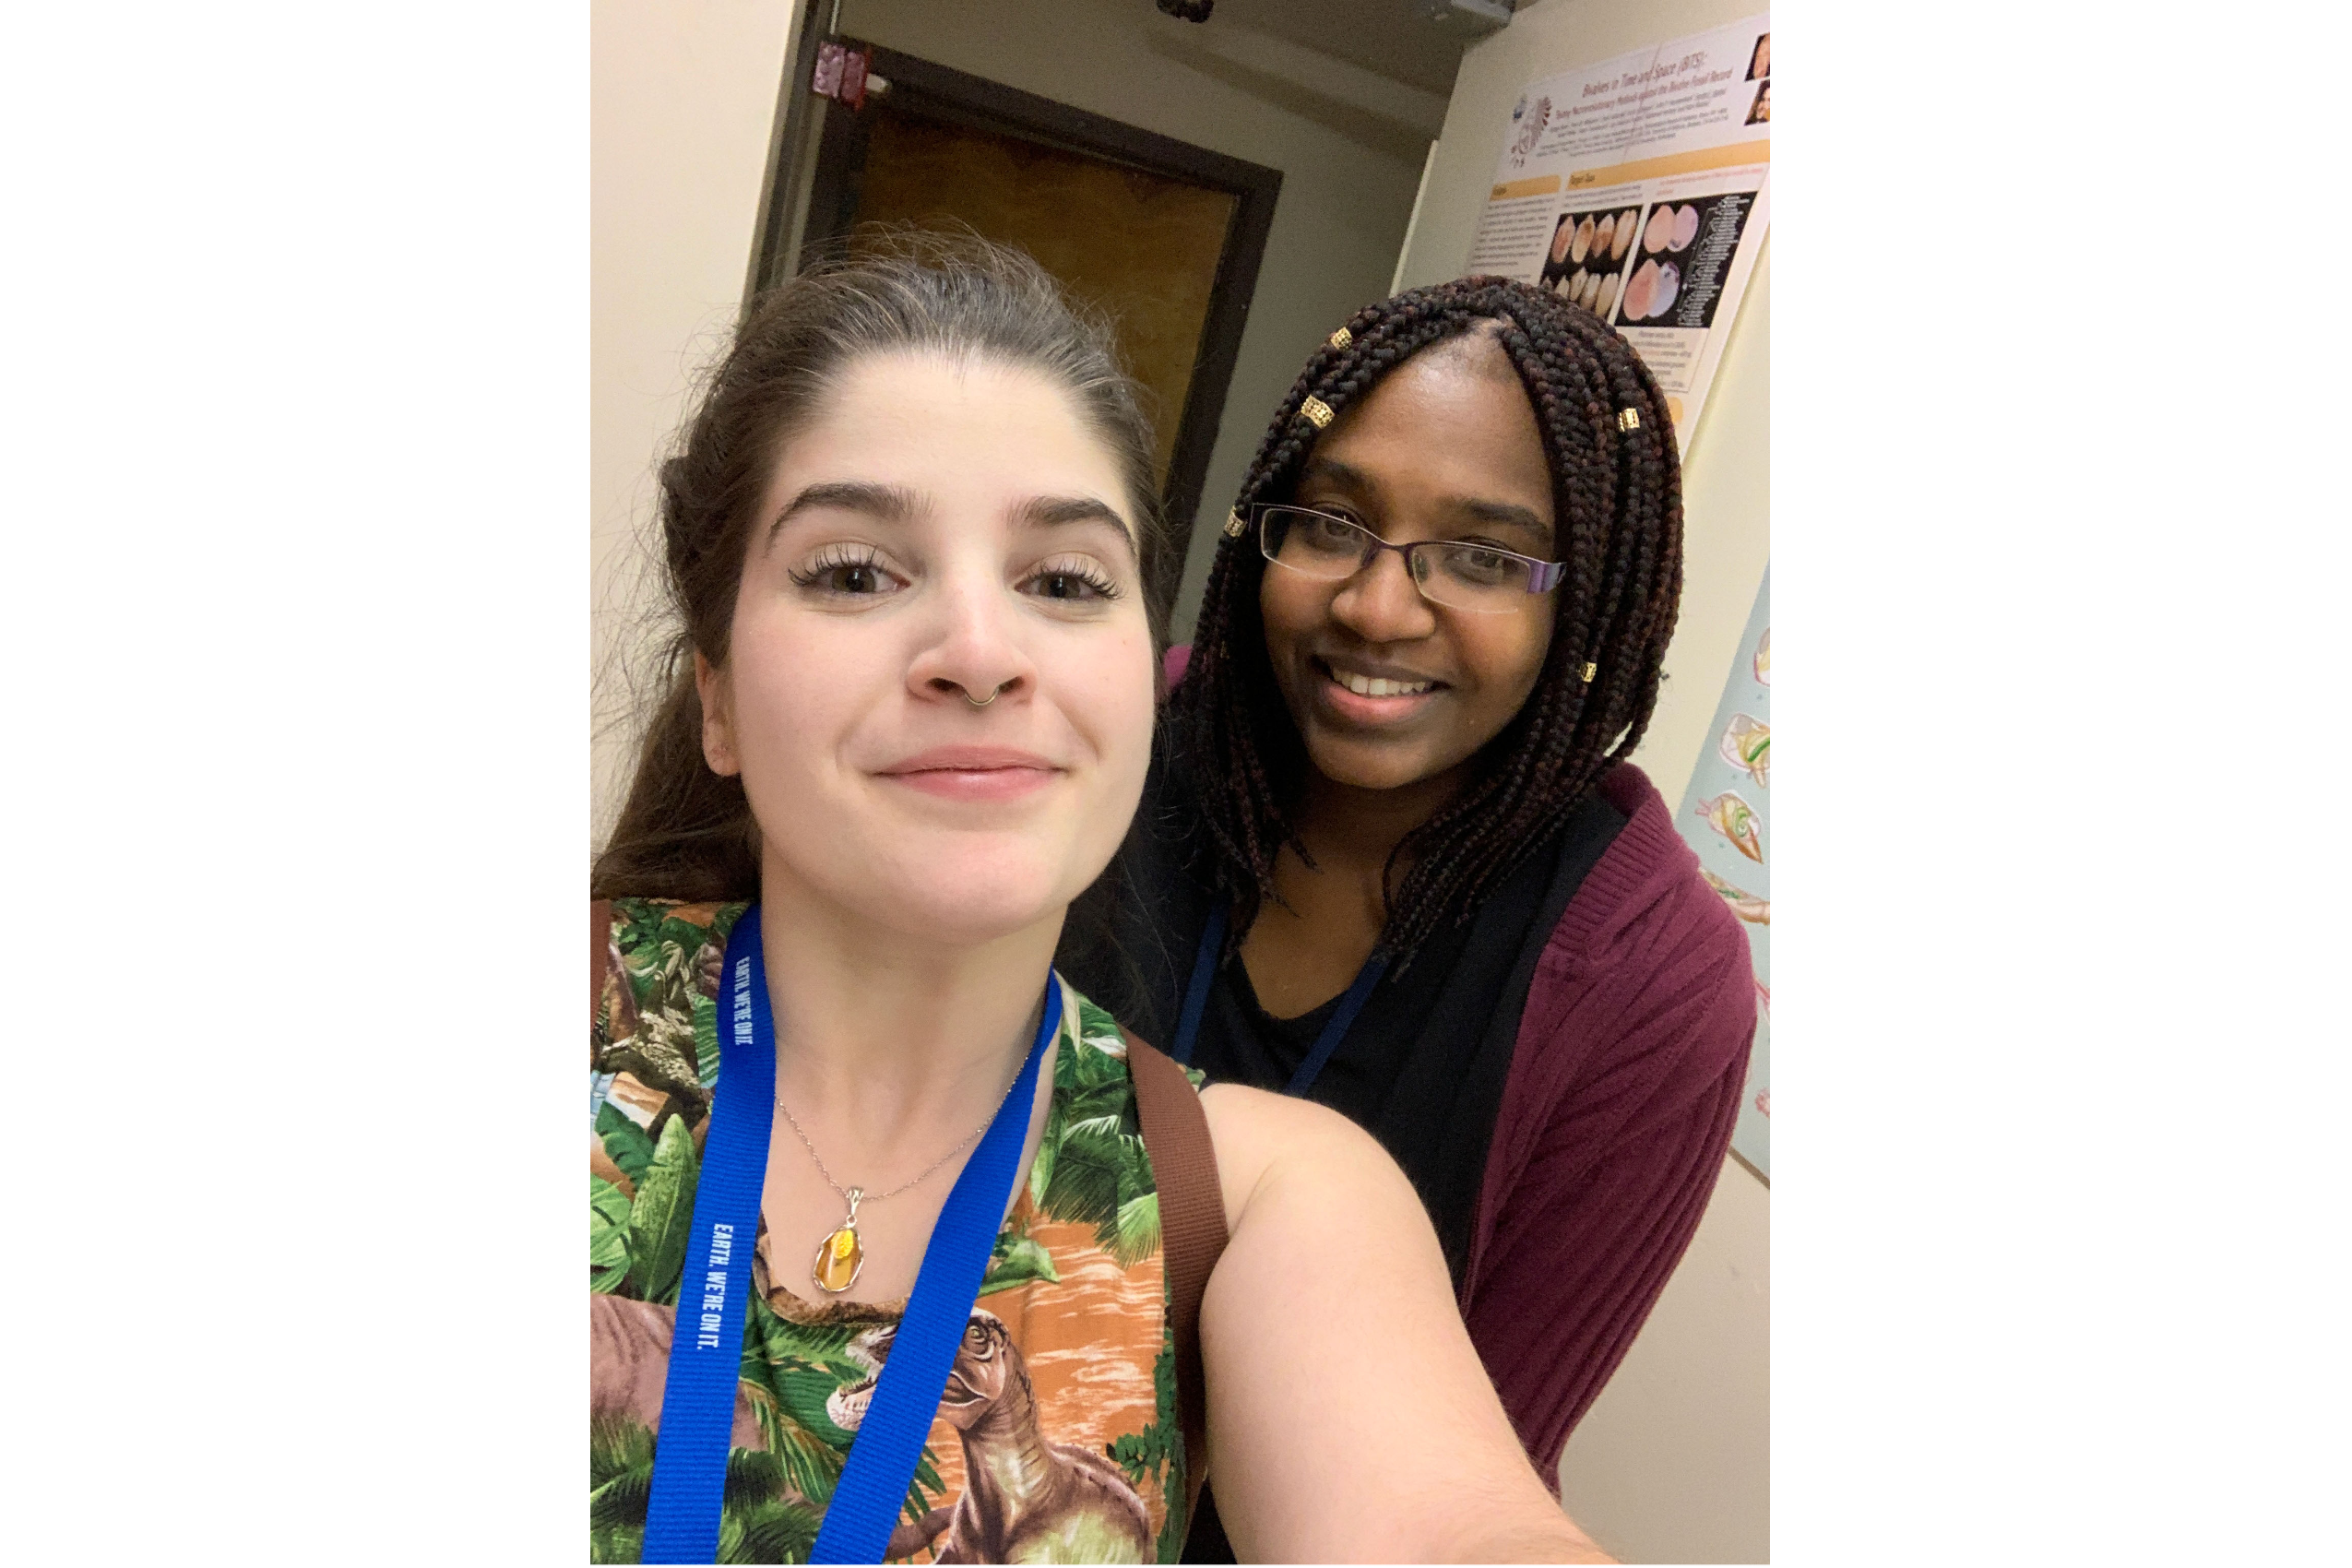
1666, 76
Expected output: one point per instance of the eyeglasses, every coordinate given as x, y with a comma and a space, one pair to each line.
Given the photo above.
1477, 578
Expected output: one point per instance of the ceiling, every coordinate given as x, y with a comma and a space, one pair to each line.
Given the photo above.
1395, 38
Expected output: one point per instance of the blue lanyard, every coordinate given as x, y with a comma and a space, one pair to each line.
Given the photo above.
1188, 1025
698, 1401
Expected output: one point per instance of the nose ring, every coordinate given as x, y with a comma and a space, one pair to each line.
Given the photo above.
993, 693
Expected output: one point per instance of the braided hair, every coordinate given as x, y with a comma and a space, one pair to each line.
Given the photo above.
1617, 500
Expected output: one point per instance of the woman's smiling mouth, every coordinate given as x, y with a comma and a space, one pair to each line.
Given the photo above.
973, 773
1354, 693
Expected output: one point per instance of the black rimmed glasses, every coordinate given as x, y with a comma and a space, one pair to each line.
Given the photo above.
1481, 579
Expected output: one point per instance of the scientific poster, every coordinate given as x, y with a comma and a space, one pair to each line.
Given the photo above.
1640, 189
1723, 818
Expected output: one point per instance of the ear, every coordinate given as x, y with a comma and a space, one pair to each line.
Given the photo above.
718, 718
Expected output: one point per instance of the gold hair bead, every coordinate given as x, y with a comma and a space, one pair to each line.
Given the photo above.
1234, 526
1591, 671
1317, 412
1342, 338
1631, 418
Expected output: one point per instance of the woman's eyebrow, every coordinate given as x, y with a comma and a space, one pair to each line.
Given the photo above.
1344, 474
884, 502
1476, 510
1061, 511
1502, 513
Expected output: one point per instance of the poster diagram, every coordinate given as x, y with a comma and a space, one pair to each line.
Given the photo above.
1639, 189
1723, 819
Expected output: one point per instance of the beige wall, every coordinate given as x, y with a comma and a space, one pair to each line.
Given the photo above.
682, 104
1671, 1463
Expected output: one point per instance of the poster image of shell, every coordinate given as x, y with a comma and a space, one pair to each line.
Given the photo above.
1585, 261
1722, 820
1747, 743
1732, 817
1683, 250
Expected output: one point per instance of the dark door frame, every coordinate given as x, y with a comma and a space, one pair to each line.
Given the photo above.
777, 195
942, 92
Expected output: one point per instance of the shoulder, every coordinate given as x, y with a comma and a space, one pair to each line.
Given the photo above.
637, 926
1646, 905
1276, 1154
1633, 1043
1257, 1136
658, 953
1260, 1120
1092, 1044
653, 1019
1092, 1058
1646, 978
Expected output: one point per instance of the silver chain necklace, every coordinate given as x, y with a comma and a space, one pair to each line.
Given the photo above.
841, 1257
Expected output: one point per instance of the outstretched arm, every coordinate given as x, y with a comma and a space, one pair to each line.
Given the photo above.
1349, 1418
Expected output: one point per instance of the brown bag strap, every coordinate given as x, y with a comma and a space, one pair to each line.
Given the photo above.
600, 943
1192, 1226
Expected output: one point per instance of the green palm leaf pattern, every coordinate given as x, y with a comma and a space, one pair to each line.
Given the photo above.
620, 1472
1157, 1452
1086, 1181
753, 1475
806, 1464
608, 1235
662, 1216
1102, 1177
1091, 1169
1135, 1230
671, 963
616, 1543
772, 1532
1017, 1260
625, 1142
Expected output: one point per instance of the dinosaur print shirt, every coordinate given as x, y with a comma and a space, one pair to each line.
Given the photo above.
1058, 1440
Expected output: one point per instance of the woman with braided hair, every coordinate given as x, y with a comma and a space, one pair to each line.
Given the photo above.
1391, 856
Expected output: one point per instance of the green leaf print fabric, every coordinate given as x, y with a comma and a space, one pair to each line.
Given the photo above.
1057, 1440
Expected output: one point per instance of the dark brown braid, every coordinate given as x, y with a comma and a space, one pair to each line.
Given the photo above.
1616, 499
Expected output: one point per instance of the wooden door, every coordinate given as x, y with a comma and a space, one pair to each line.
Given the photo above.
1163, 235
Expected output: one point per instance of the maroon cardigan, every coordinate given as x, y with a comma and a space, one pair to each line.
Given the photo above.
1623, 1087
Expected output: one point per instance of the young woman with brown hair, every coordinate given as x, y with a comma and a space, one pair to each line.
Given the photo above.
1391, 857
911, 538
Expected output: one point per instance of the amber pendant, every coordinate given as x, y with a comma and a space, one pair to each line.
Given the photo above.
840, 1256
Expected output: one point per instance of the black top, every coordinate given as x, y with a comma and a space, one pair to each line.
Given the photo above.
1423, 1066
